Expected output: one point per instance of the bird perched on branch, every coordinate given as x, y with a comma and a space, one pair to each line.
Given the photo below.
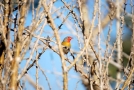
66, 44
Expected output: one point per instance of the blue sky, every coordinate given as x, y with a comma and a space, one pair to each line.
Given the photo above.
50, 62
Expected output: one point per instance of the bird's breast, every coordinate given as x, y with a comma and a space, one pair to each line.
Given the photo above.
67, 44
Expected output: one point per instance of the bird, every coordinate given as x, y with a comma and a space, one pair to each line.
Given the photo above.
66, 44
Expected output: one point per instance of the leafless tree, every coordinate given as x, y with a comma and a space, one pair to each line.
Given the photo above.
94, 61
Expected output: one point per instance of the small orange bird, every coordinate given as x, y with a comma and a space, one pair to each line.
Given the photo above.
66, 44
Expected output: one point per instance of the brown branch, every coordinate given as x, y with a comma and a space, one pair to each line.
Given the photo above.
32, 28
2, 52
111, 15
15, 62
88, 39
4, 33
32, 52
84, 17
31, 82
127, 82
51, 22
